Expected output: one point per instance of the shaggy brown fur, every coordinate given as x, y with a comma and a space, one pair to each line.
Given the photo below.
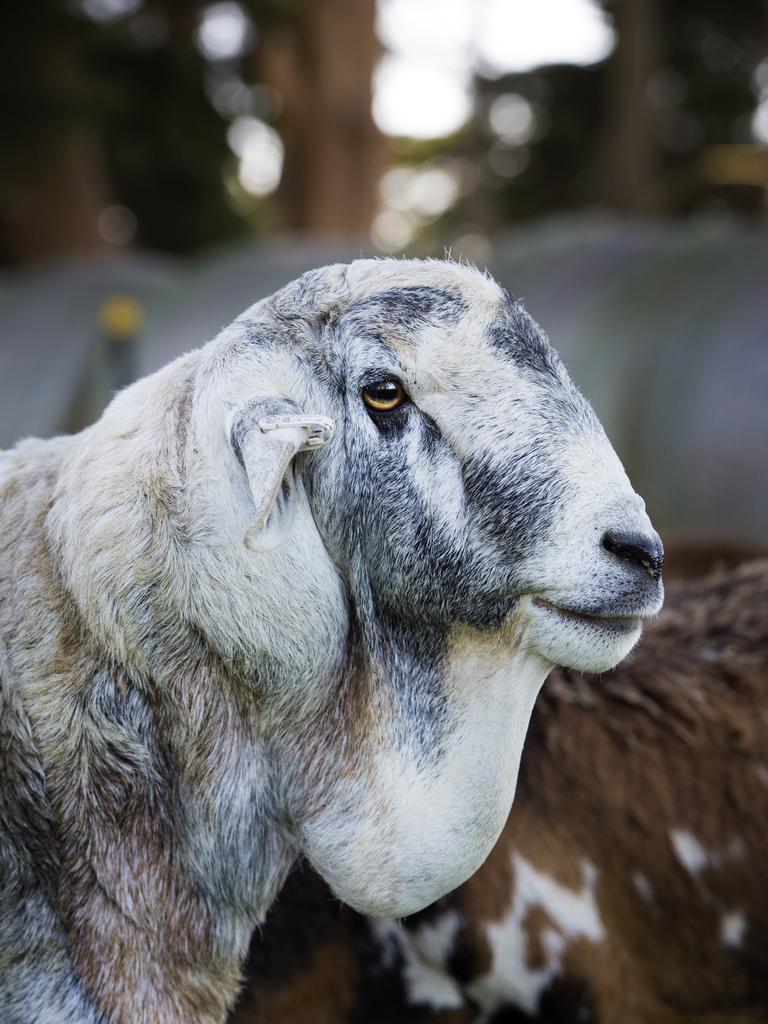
672, 743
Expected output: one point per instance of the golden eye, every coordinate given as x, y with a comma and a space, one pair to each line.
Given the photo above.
383, 396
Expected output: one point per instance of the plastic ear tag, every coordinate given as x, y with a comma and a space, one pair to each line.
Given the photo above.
319, 429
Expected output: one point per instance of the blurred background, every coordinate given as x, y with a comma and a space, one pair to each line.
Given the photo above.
164, 163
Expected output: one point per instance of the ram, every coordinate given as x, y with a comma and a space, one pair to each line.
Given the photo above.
295, 594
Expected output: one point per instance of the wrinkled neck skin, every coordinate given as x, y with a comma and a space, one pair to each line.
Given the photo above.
206, 724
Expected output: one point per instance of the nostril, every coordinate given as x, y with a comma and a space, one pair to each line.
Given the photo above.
646, 553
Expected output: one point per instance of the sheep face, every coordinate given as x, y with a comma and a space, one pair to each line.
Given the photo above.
469, 481
479, 528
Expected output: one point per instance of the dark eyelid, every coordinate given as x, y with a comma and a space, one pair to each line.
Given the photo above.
377, 379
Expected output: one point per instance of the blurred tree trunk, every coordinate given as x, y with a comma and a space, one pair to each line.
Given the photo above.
631, 153
322, 64
53, 208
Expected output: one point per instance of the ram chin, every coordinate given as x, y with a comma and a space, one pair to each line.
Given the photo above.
578, 640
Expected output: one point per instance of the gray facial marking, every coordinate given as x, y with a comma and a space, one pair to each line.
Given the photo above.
412, 306
415, 662
519, 336
517, 503
438, 574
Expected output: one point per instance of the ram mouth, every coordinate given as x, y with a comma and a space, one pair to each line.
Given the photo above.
610, 623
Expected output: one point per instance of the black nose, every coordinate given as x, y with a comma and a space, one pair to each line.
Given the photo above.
646, 553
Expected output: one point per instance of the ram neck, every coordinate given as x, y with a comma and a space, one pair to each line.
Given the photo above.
168, 849
117, 794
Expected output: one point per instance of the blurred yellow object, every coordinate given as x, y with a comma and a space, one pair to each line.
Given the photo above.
121, 316
735, 165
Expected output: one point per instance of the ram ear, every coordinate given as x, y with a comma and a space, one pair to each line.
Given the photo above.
265, 435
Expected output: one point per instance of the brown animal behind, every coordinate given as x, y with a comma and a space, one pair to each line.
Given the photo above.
629, 886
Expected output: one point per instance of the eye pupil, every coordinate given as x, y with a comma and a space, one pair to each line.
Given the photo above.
383, 396
383, 392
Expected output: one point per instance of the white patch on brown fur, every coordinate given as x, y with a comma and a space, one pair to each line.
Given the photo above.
425, 951
733, 926
575, 915
689, 851
695, 857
